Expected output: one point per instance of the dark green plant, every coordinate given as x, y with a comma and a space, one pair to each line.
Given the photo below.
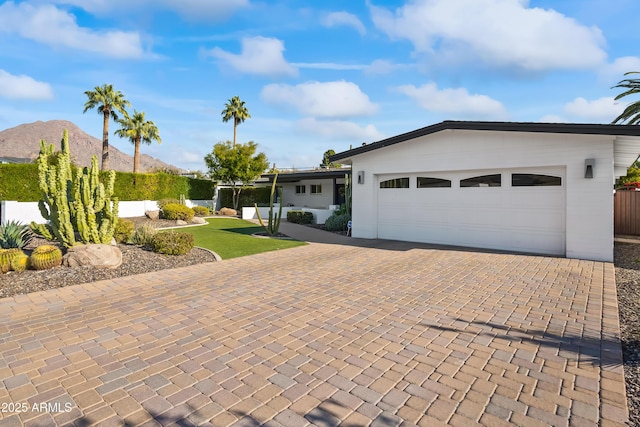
337, 222
172, 243
175, 211
273, 225
46, 256
14, 234
201, 210
300, 217
124, 230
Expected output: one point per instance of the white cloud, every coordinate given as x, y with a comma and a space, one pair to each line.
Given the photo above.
457, 103
260, 55
602, 110
340, 130
344, 18
329, 99
614, 72
48, 25
23, 87
502, 33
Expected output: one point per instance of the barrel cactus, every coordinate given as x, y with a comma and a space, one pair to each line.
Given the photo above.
6, 258
46, 256
21, 262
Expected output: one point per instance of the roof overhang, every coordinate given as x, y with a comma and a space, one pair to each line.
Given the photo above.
626, 145
297, 176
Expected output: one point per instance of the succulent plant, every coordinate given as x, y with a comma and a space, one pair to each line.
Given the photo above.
46, 256
14, 234
6, 258
21, 262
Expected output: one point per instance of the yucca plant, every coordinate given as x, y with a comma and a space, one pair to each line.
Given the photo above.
14, 234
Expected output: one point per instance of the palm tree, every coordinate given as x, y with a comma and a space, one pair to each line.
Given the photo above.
236, 110
108, 102
137, 130
631, 114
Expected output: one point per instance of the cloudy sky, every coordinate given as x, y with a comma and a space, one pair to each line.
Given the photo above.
315, 75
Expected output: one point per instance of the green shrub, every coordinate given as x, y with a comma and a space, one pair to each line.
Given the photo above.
337, 222
248, 196
201, 210
300, 217
168, 201
143, 235
172, 243
176, 211
13, 234
124, 230
19, 182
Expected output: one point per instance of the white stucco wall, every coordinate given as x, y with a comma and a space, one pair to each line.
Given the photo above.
589, 202
320, 201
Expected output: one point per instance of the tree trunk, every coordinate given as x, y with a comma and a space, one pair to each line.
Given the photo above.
105, 141
136, 155
236, 196
235, 129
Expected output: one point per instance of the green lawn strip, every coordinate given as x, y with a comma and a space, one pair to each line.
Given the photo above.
231, 238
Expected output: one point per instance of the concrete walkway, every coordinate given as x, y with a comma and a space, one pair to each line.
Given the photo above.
351, 334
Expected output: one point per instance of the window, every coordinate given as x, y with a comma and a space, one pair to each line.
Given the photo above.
395, 183
316, 188
534, 180
424, 182
494, 180
301, 189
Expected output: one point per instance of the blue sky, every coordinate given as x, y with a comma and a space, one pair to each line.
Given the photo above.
315, 75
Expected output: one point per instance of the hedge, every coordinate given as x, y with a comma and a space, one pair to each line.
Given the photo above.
248, 196
19, 182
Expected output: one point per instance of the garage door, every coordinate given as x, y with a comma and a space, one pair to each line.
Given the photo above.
518, 210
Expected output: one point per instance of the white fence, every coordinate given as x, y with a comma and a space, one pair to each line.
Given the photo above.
25, 212
319, 215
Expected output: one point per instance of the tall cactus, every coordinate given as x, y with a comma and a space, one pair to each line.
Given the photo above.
347, 192
273, 225
71, 205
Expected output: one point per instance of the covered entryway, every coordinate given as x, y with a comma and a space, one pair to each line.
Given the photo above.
513, 209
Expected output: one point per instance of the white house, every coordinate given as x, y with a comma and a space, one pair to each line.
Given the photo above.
317, 188
527, 187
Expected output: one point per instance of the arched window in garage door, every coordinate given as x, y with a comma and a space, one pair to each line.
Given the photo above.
493, 180
534, 180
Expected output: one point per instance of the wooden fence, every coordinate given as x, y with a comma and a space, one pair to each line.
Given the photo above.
626, 212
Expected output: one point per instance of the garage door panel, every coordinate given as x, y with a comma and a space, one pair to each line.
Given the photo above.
527, 219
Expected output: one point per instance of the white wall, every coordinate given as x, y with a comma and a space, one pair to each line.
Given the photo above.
26, 212
589, 202
319, 201
319, 215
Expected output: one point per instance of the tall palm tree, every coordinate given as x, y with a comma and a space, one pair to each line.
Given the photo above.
631, 114
236, 110
108, 103
138, 130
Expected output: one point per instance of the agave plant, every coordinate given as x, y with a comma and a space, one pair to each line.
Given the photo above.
14, 234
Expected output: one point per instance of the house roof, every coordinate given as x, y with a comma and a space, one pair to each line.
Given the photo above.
296, 176
566, 128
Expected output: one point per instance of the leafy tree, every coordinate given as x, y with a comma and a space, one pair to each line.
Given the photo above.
236, 165
236, 110
325, 160
633, 175
138, 130
108, 103
631, 114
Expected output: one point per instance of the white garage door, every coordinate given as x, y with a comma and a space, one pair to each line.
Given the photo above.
518, 210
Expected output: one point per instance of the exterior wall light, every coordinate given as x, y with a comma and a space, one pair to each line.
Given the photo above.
588, 167
360, 177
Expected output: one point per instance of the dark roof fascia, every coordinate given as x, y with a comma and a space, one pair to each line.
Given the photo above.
297, 176
565, 128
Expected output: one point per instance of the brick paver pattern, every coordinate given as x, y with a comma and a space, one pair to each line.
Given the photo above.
322, 335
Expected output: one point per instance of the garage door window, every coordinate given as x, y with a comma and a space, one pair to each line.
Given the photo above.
395, 183
426, 182
482, 181
534, 180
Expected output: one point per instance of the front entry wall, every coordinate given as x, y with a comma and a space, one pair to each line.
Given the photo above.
574, 219
518, 218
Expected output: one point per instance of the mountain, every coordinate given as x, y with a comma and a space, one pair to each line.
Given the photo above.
24, 142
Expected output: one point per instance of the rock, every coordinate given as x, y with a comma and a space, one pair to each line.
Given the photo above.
96, 255
181, 222
154, 215
228, 212
198, 220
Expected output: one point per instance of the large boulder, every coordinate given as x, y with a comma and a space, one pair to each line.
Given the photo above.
154, 215
198, 220
95, 255
228, 212
181, 222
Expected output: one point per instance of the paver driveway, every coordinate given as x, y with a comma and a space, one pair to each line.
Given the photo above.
323, 335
